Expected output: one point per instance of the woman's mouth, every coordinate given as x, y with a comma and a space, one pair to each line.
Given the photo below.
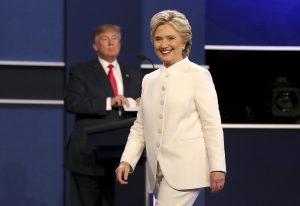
166, 51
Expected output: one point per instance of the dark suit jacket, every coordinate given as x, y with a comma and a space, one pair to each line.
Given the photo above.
86, 96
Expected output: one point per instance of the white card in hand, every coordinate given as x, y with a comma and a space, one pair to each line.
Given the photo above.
132, 105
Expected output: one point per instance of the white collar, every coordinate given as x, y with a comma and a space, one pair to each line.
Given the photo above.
105, 63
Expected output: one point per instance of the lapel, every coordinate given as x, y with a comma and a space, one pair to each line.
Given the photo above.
100, 78
125, 78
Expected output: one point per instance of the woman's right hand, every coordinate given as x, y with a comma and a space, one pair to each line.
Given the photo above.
122, 172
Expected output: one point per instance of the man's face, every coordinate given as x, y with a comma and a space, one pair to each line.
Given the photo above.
108, 44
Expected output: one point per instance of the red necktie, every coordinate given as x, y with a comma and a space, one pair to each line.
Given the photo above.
112, 79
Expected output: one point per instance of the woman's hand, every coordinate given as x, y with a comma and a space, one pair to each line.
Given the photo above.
217, 181
122, 172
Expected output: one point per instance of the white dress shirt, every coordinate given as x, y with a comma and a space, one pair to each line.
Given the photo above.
118, 76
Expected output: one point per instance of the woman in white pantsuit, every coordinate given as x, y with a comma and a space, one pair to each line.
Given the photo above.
178, 121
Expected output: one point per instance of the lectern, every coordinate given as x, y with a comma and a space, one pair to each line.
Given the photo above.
110, 139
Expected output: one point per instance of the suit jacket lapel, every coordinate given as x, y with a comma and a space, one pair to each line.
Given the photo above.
125, 78
101, 78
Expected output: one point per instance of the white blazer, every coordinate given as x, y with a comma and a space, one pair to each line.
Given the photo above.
179, 124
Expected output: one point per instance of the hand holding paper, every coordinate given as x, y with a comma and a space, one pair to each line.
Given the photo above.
133, 105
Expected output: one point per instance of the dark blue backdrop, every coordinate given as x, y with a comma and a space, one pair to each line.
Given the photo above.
32, 30
265, 22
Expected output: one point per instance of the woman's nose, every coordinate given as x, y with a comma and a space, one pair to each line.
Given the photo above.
164, 43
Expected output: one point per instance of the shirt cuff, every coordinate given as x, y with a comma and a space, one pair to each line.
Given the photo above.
108, 104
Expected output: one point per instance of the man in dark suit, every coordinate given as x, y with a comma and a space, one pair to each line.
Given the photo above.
94, 100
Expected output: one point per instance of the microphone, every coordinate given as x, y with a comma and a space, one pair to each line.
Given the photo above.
142, 57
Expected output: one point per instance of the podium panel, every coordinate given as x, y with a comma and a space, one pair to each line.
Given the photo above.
110, 140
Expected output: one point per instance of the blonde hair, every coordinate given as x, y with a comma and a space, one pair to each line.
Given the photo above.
106, 27
180, 24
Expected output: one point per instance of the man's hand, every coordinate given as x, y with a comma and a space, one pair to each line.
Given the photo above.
217, 181
138, 100
122, 172
119, 100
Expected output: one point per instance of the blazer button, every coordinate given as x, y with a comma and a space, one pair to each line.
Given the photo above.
159, 131
160, 116
163, 88
162, 102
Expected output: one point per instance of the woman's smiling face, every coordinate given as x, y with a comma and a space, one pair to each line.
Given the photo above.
168, 44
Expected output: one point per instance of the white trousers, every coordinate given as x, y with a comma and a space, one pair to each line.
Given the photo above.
165, 195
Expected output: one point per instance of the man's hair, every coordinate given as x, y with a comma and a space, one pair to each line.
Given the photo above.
106, 27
